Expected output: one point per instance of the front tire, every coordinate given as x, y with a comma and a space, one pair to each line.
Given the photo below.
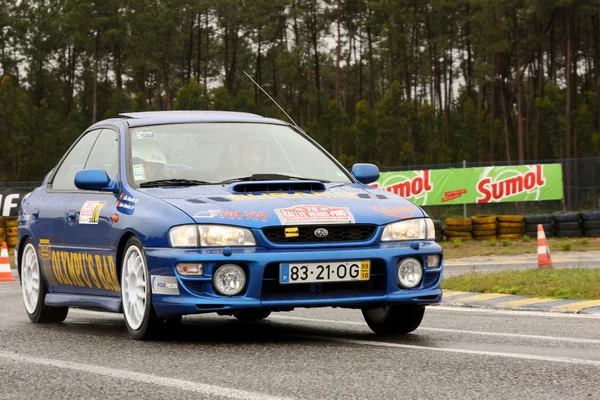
140, 319
390, 320
251, 314
34, 289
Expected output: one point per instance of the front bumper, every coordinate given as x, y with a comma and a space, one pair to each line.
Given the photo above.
196, 294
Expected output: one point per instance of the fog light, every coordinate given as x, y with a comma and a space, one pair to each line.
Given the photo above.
229, 279
433, 261
190, 269
410, 272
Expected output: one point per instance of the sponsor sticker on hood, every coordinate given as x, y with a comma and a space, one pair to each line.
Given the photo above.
313, 214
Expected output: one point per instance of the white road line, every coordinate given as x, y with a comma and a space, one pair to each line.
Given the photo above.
189, 386
512, 313
514, 335
566, 360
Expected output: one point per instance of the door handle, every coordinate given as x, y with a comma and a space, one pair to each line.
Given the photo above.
35, 214
71, 216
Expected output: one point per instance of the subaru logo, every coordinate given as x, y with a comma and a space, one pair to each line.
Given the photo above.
321, 232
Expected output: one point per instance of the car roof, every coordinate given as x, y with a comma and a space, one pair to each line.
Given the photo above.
134, 119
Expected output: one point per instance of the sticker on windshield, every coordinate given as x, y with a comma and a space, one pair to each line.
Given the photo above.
144, 134
303, 215
138, 172
90, 212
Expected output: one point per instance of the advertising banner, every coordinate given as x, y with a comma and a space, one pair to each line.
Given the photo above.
476, 185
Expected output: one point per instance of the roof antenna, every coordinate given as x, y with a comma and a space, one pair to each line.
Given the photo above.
263, 90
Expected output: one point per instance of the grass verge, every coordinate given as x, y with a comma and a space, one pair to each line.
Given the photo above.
573, 283
471, 248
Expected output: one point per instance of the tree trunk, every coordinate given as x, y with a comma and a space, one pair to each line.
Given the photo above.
315, 43
596, 40
506, 136
493, 109
568, 100
95, 90
257, 73
540, 86
371, 63
519, 92
469, 55
206, 54
199, 48
190, 50
339, 45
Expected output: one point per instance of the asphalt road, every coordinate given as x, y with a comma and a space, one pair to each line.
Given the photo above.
305, 354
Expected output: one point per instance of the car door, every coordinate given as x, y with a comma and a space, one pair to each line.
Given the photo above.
89, 229
49, 216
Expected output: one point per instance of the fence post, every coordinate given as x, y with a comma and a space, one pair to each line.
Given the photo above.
465, 205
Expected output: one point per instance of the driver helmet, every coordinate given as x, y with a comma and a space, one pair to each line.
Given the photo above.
254, 152
151, 157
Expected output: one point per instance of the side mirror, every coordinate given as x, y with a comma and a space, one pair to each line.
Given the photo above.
95, 179
365, 173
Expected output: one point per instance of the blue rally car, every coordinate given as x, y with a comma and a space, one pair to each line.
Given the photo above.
161, 214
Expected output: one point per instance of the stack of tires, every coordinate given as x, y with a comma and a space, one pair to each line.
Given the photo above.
11, 227
2, 237
458, 229
439, 231
510, 226
484, 227
591, 223
532, 222
567, 224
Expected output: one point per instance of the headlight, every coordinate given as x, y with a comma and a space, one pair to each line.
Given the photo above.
410, 272
223, 235
418, 228
229, 279
210, 236
184, 236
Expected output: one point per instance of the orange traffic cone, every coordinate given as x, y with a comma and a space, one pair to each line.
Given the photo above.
5, 274
544, 260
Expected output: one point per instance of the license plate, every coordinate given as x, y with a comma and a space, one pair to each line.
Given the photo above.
338, 271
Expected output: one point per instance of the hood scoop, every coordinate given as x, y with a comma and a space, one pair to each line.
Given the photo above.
278, 186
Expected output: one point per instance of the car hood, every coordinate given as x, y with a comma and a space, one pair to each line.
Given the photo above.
256, 205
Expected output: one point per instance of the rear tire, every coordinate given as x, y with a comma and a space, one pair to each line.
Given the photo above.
34, 289
394, 320
251, 314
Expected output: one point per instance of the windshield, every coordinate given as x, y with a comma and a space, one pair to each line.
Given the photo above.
217, 152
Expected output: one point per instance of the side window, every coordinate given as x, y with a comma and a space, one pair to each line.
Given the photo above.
75, 161
105, 154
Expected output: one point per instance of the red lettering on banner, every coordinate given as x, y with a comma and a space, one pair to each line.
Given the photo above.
510, 186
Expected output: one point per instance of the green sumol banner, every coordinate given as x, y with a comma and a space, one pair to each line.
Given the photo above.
476, 185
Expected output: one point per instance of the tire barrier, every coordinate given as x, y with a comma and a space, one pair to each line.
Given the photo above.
509, 236
565, 216
458, 229
10, 231
538, 219
484, 219
562, 224
484, 227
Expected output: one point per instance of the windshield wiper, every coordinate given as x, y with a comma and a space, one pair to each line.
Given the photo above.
271, 177
174, 182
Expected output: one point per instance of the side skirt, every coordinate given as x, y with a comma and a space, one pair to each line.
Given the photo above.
84, 301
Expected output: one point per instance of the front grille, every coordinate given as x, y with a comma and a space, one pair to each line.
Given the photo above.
273, 290
336, 233
431, 279
196, 287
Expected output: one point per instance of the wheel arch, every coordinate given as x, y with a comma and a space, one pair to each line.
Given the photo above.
121, 250
20, 254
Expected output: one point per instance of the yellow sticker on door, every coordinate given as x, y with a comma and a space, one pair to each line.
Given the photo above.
90, 212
